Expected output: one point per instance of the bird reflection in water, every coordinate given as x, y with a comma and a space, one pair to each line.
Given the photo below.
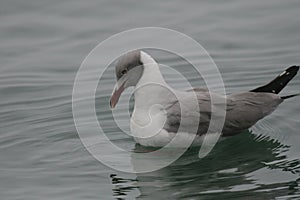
225, 170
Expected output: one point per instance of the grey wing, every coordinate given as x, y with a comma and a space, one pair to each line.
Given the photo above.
243, 110
187, 117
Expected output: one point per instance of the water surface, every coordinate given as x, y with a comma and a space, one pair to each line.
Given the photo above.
42, 46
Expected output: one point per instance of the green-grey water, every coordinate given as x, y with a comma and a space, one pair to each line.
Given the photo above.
42, 45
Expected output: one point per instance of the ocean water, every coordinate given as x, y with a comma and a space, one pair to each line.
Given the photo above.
42, 45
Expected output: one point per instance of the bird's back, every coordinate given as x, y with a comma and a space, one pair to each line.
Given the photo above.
245, 109
242, 111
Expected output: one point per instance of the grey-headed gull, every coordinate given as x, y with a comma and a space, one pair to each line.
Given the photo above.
158, 114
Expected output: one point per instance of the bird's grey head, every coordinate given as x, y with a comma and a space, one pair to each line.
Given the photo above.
128, 70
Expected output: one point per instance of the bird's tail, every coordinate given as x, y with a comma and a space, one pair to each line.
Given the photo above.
276, 85
290, 96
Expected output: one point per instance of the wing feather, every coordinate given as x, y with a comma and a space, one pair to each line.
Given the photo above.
243, 110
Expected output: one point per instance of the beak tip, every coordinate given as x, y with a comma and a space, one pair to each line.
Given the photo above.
116, 95
111, 105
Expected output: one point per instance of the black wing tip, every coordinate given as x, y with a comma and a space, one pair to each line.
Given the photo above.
293, 68
276, 85
290, 72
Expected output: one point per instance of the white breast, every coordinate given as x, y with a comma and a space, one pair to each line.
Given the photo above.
148, 118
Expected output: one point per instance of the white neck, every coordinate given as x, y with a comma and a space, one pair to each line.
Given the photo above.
151, 87
148, 117
151, 73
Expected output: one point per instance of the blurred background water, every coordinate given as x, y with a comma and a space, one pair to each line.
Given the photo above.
42, 44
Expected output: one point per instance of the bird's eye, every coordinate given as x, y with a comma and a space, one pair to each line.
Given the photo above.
124, 71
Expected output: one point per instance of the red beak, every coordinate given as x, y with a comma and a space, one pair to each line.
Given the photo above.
116, 95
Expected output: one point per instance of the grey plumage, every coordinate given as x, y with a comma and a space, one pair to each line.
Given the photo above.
127, 62
243, 110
